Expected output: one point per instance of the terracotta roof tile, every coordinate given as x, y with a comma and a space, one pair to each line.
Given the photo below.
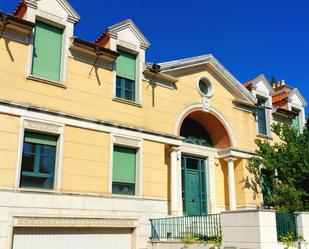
20, 9
281, 97
248, 84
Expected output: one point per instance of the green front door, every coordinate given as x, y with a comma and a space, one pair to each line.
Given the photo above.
193, 193
194, 185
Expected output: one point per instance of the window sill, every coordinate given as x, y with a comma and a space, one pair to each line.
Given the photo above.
264, 136
46, 81
124, 101
37, 190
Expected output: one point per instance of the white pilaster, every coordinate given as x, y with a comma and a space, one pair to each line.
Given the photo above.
231, 179
174, 180
211, 185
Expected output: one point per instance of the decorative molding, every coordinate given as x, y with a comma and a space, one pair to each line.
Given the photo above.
127, 45
40, 126
206, 102
33, 112
127, 141
51, 17
72, 222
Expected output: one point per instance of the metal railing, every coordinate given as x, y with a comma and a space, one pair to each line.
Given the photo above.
286, 224
181, 227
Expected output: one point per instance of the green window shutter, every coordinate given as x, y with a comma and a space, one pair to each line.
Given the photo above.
296, 123
38, 138
261, 116
124, 161
126, 65
47, 51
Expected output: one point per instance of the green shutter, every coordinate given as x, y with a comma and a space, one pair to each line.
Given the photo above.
261, 116
47, 51
295, 122
124, 160
38, 138
125, 65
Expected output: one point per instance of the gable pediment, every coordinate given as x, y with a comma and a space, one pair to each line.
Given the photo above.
210, 63
58, 8
127, 32
296, 98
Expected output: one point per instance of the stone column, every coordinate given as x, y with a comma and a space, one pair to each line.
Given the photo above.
174, 180
231, 180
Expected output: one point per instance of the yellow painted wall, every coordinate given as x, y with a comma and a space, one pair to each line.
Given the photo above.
86, 161
155, 170
86, 153
90, 96
244, 193
222, 191
9, 138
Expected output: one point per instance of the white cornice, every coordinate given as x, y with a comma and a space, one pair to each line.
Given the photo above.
210, 60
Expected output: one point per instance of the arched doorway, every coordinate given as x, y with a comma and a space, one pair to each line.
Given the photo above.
202, 131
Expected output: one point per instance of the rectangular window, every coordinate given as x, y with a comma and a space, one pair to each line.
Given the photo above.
47, 51
126, 74
261, 116
38, 161
124, 170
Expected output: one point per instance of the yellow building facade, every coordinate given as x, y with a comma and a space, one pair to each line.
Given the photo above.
110, 141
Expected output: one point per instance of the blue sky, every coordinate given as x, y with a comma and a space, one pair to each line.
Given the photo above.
248, 37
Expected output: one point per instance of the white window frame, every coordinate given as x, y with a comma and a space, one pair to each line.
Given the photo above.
138, 78
129, 142
46, 127
58, 23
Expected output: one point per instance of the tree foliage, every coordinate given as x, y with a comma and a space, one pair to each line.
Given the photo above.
281, 170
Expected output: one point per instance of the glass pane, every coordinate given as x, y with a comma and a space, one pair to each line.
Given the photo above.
36, 182
29, 148
118, 92
128, 95
123, 188
129, 84
47, 164
47, 150
118, 81
203, 87
28, 162
203, 183
28, 159
192, 163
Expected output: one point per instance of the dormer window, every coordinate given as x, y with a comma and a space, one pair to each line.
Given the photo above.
126, 76
261, 116
47, 52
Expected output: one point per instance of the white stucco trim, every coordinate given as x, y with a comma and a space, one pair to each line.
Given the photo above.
209, 59
226, 124
59, 152
87, 123
130, 142
209, 85
37, 12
